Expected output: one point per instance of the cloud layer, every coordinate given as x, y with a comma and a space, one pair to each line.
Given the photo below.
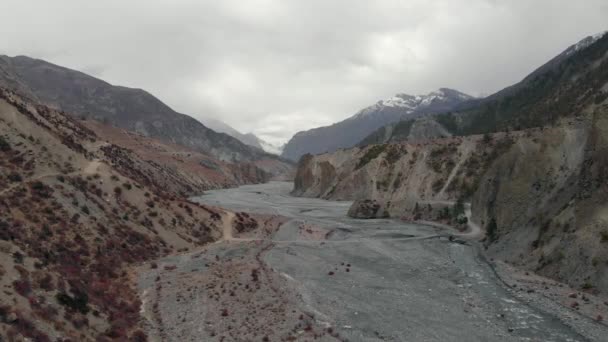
275, 67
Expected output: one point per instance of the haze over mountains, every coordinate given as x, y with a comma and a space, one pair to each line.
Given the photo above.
351, 131
249, 138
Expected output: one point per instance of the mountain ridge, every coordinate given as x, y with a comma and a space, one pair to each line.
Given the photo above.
133, 109
352, 130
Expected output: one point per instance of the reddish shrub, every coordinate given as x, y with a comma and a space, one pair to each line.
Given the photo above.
23, 287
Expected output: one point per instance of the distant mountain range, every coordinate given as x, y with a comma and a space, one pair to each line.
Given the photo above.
133, 109
351, 131
249, 138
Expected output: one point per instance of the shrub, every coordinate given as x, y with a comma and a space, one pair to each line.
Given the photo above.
393, 155
77, 303
38, 186
487, 138
85, 209
458, 208
22, 287
4, 145
117, 191
604, 236
14, 177
18, 258
127, 186
370, 155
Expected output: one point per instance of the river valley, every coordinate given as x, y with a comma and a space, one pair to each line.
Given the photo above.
324, 276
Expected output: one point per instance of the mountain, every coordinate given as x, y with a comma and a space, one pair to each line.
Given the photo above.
531, 160
556, 89
132, 109
249, 138
351, 131
79, 215
561, 87
222, 127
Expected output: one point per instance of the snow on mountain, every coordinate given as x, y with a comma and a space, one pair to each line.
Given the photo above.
585, 43
351, 131
413, 103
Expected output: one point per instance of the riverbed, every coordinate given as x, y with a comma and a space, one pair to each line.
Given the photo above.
359, 280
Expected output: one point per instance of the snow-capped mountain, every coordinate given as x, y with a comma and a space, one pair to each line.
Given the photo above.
585, 43
351, 131
411, 104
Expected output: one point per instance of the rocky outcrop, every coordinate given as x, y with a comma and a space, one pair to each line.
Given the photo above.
401, 177
368, 209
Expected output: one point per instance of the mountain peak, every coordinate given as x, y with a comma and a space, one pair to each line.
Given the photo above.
412, 103
585, 43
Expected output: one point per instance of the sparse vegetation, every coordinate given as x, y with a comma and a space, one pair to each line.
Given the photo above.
371, 154
393, 154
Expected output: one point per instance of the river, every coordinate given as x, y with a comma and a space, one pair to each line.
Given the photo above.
366, 280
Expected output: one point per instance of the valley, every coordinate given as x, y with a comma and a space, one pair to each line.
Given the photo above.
434, 217
323, 276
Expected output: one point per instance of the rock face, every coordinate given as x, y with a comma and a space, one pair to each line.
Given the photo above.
133, 109
173, 167
547, 200
367, 209
351, 131
401, 175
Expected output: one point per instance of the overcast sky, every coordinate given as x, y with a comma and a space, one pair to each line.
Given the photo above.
275, 67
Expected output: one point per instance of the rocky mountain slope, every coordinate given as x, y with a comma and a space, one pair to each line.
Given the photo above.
132, 109
544, 203
400, 177
535, 174
77, 213
351, 131
178, 169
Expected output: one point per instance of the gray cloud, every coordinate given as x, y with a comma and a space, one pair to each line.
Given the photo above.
278, 66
